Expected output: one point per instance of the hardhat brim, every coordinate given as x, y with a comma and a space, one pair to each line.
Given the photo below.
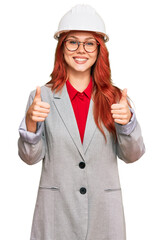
58, 33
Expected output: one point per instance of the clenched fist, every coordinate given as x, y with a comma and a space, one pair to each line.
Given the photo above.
37, 112
120, 111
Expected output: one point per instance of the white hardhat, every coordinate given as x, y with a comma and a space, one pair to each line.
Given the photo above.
83, 18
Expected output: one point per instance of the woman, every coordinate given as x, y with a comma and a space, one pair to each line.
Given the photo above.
78, 123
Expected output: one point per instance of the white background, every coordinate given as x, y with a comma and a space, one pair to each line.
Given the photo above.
26, 60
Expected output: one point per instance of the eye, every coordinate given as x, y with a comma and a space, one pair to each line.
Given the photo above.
73, 42
91, 43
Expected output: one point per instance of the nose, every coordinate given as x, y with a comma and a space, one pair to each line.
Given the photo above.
81, 47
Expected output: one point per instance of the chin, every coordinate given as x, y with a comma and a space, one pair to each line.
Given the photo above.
81, 68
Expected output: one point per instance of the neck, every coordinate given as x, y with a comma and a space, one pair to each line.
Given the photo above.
79, 80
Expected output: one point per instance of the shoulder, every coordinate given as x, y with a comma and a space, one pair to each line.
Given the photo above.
47, 92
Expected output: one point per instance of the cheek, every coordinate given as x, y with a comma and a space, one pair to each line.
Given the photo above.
94, 58
67, 57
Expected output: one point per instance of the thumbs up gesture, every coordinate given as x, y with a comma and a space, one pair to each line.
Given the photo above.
37, 112
120, 111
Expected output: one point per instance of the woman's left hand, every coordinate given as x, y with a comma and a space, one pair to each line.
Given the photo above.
120, 111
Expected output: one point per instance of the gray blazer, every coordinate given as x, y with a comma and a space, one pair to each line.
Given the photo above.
79, 195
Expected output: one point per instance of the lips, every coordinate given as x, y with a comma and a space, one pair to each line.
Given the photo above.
80, 60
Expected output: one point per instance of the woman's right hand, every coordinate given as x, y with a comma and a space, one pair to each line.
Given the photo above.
37, 112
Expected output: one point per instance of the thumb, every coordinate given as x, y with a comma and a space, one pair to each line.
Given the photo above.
37, 94
124, 96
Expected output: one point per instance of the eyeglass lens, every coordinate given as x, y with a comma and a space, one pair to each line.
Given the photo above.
89, 46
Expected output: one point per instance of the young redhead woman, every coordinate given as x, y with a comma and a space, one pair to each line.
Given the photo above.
77, 124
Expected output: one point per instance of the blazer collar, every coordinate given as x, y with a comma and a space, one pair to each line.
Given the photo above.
63, 104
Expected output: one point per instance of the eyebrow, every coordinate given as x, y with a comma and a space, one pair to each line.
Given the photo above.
85, 38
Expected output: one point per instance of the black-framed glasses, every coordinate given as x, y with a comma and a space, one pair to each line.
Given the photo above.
89, 46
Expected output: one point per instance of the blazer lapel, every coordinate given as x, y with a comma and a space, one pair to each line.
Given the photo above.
63, 104
65, 109
89, 128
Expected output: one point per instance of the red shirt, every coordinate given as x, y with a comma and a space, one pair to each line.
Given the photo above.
80, 103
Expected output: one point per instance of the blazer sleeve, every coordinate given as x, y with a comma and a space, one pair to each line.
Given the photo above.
31, 146
130, 146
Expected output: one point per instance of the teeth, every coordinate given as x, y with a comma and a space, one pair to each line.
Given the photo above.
80, 59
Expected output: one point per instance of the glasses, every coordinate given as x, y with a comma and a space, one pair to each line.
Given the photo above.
89, 46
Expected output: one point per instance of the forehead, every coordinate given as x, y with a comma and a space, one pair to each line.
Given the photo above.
80, 34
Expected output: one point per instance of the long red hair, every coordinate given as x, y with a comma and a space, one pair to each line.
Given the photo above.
104, 93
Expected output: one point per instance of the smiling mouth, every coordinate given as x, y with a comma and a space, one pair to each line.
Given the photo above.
80, 60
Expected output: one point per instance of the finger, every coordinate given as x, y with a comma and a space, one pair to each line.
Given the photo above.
124, 93
119, 111
37, 119
39, 114
43, 105
37, 94
120, 121
39, 109
121, 117
124, 96
117, 106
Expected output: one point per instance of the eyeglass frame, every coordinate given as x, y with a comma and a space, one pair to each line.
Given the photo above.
79, 45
